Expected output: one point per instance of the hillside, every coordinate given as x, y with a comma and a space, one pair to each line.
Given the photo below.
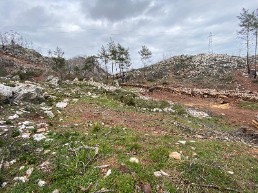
202, 71
31, 65
85, 136
171, 133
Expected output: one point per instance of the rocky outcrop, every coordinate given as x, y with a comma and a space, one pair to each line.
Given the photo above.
204, 93
204, 70
22, 92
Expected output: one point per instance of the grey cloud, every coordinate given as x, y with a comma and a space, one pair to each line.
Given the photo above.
36, 16
168, 27
115, 10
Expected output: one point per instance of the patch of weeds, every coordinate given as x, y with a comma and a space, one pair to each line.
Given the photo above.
28, 158
130, 99
134, 147
160, 157
200, 173
179, 109
8, 122
29, 74
2, 143
15, 133
124, 183
249, 105
151, 104
96, 128
1, 178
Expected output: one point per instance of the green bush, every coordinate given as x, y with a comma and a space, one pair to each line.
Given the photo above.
15, 133
26, 75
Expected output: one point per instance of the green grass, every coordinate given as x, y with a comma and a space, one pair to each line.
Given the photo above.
249, 105
204, 165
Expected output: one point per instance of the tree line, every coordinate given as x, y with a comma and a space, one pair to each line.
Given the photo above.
115, 57
118, 57
248, 22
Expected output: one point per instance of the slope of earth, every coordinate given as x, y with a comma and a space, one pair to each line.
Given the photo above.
27, 64
16, 60
202, 71
89, 137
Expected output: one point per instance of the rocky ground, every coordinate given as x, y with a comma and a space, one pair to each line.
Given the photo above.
85, 136
201, 71
143, 136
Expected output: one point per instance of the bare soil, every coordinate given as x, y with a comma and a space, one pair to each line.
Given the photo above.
230, 111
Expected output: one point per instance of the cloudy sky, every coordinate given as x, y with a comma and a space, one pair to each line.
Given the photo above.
167, 27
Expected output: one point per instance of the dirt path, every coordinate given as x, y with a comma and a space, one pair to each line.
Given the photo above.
230, 111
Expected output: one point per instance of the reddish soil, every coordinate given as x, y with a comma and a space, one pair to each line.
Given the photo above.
246, 83
149, 123
230, 111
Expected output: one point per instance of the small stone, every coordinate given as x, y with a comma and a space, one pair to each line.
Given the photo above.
134, 160
231, 172
146, 188
12, 162
4, 184
42, 125
182, 142
12, 117
194, 154
108, 173
164, 173
39, 137
61, 105
41, 130
22, 179
55, 191
22, 167
25, 135
175, 155
50, 114
157, 174
45, 166
160, 174
41, 183
29, 172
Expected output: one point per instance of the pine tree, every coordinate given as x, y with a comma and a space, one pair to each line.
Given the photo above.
246, 20
145, 54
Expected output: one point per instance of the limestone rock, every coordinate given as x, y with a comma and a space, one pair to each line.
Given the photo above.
175, 155
134, 160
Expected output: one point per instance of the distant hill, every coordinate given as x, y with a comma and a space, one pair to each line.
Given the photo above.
202, 70
17, 61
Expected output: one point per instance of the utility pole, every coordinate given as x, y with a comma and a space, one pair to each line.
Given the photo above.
210, 43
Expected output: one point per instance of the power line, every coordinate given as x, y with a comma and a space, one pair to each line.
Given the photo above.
210, 43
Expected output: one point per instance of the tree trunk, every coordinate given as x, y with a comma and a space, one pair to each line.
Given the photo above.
247, 53
255, 52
